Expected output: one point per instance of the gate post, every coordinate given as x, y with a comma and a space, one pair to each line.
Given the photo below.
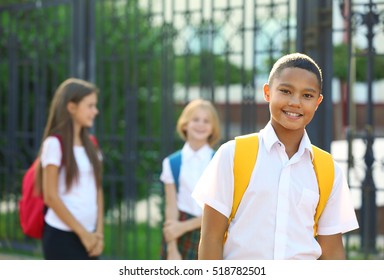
83, 40
314, 38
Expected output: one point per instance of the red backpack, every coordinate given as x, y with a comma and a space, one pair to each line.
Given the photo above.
31, 205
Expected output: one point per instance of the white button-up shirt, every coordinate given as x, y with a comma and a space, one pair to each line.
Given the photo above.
276, 215
193, 164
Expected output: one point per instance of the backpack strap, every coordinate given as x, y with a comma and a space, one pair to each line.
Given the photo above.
94, 140
175, 162
325, 174
246, 150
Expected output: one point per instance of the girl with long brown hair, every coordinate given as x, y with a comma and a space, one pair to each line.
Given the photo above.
70, 175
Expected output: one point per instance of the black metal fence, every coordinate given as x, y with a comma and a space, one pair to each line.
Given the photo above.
149, 58
363, 23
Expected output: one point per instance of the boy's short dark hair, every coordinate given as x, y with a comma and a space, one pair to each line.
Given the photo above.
296, 60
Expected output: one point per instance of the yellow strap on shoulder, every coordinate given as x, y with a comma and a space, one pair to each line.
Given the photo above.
325, 174
246, 150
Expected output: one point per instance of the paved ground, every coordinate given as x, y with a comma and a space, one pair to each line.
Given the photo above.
15, 257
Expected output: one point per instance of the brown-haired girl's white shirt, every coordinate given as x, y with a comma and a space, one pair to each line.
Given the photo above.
81, 200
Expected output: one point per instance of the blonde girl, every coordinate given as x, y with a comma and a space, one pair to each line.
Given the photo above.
70, 175
199, 126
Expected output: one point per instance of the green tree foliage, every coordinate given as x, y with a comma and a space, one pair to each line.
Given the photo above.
340, 64
28, 59
136, 65
9, 2
129, 49
208, 69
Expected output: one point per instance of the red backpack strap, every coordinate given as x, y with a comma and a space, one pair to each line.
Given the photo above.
94, 140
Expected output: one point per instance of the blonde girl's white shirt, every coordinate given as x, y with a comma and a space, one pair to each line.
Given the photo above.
81, 200
193, 164
276, 215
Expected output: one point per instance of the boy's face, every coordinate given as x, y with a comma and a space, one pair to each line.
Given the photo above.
293, 97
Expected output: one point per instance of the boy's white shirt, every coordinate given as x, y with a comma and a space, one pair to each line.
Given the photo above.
276, 215
193, 164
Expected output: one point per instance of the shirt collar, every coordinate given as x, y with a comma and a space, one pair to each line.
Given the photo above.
269, 137
305, 144
188, 152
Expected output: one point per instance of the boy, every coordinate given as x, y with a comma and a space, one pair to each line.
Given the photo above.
275, 218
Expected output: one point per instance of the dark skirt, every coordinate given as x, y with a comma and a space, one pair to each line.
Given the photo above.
63, 245
188, 244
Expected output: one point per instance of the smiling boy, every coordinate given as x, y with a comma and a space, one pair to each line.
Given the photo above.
275, 219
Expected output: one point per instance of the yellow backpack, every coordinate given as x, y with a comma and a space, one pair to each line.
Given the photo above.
245, 159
